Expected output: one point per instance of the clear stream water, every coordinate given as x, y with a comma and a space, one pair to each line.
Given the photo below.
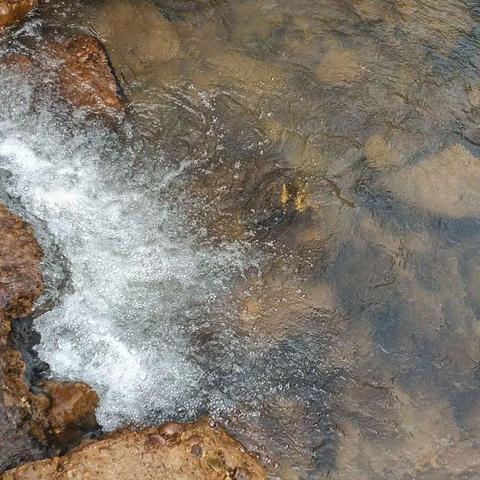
283, 234
135, 277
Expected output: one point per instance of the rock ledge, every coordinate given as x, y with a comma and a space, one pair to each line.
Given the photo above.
195, 451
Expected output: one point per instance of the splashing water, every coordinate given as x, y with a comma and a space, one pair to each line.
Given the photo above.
136, 275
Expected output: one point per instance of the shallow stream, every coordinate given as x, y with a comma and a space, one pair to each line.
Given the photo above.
282, 234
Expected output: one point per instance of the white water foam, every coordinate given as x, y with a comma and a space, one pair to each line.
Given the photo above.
136, 277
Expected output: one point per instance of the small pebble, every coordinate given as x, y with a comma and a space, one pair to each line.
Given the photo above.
194, 440
197, 450
157, 440
171, 428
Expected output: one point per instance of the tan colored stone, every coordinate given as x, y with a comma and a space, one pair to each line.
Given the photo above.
12, 11
86, 78
442, 23
340, 66
474, 96
156, 39
373, 10
445, 183
380, 154
194, 452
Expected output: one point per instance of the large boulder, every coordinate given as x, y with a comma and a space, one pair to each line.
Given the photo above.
12, 11
196, 451
77, 69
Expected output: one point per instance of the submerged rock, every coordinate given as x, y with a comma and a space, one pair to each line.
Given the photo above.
444, 184
156, 39
192, 452
12, 11
340, 67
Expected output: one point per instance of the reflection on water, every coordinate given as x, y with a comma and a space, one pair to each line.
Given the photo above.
339, 142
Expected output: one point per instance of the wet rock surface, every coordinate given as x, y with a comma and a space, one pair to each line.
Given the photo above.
86, 77
55, 413
20, 284
185, 452
79, 72
17, 442
21, 281
71, 412
12, 11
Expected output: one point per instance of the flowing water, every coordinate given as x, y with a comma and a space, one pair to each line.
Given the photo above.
283, 233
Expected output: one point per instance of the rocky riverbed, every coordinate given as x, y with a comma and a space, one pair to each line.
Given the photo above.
41, 417
263, 211
35, 416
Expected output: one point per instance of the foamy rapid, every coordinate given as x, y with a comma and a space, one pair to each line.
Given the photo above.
136, 276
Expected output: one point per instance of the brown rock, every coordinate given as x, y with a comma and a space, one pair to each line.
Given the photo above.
197, 450
20, 275
81, 70
72, 410
12, 11
340, 67
157, 439
18, 61
156, 39
130, 455
170, 429
86, 78
381, 154
21, 283
29, 421
21, 412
